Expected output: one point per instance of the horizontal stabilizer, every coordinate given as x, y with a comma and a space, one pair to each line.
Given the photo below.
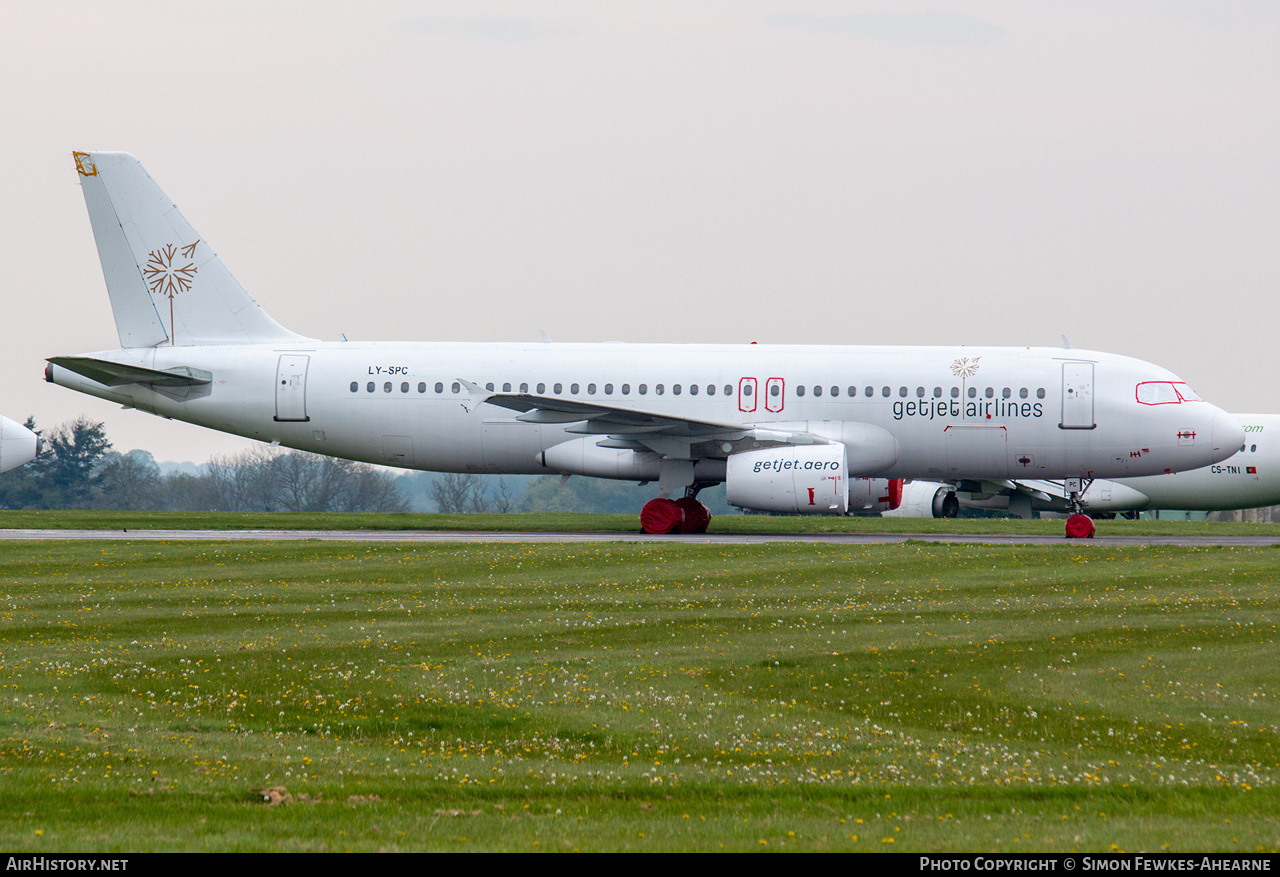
115, 374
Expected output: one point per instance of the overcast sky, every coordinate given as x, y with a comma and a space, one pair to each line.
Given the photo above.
808, 171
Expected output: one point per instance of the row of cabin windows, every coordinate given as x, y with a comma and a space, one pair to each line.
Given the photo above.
557, 389
676, 389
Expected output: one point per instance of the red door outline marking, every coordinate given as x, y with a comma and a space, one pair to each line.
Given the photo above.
770, 404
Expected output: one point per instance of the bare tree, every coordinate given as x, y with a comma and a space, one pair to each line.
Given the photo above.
456, 492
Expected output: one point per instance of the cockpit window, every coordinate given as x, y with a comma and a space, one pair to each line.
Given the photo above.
1165, 393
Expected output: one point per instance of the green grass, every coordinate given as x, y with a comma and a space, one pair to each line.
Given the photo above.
645, 697
589, 523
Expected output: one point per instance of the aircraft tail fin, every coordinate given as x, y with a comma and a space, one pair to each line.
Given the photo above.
166, 283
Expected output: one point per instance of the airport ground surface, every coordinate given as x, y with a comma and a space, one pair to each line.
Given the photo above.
653, 695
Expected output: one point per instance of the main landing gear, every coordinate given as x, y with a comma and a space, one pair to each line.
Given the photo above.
688, 514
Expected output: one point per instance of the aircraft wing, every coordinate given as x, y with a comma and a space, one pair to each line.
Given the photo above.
637, 429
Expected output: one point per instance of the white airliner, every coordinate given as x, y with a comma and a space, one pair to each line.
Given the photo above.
788, 428
18, 445
1249, 479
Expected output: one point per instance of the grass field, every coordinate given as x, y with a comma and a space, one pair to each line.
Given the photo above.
591, 523
646, 697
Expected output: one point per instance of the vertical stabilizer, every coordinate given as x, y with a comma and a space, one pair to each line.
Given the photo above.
167, 285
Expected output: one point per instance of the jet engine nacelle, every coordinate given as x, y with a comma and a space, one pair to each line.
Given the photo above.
924, 499
18, 445
809, 479
874, 495
584, 456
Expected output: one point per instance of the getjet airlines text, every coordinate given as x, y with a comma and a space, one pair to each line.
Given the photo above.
931, 408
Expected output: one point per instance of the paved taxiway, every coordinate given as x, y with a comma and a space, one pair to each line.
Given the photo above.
689, 538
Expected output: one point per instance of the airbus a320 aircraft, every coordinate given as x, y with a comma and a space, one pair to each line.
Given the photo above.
1249, 479
18, 445
786, 427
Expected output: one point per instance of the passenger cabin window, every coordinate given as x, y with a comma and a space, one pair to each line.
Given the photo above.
404, 387
369, 388
524, 388
835, 391
693, 389
799, 390
885, 391
506, 387
675, 388
990, 392
1040, 393
626, 389
439, 387
644, 389
711, 390
355, 386
573, 389
902, 391
1022, 394
817, 391
457, 388
955, 392
608, 389
591, 389
386, 388
542, 388
973, 392
658, 389
422, 386
937, 392
489, 386
1006, 392
746, 389
728, 389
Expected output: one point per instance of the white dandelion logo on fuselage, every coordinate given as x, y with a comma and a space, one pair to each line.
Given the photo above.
965, 368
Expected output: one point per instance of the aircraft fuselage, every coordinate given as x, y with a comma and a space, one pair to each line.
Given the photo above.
951, 412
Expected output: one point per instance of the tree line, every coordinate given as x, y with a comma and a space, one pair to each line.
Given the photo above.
80, 469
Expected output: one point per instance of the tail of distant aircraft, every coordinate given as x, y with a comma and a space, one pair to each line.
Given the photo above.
166, 283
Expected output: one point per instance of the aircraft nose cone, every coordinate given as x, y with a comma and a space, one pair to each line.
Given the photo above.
1228, 433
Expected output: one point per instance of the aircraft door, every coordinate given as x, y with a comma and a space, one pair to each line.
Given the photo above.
291, 388
775, 398
1077, 396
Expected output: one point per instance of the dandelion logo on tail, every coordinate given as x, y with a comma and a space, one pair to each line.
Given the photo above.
965, 368
170, 271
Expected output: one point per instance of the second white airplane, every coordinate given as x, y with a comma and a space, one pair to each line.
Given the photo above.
18, 445
1249, 479
786, 427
